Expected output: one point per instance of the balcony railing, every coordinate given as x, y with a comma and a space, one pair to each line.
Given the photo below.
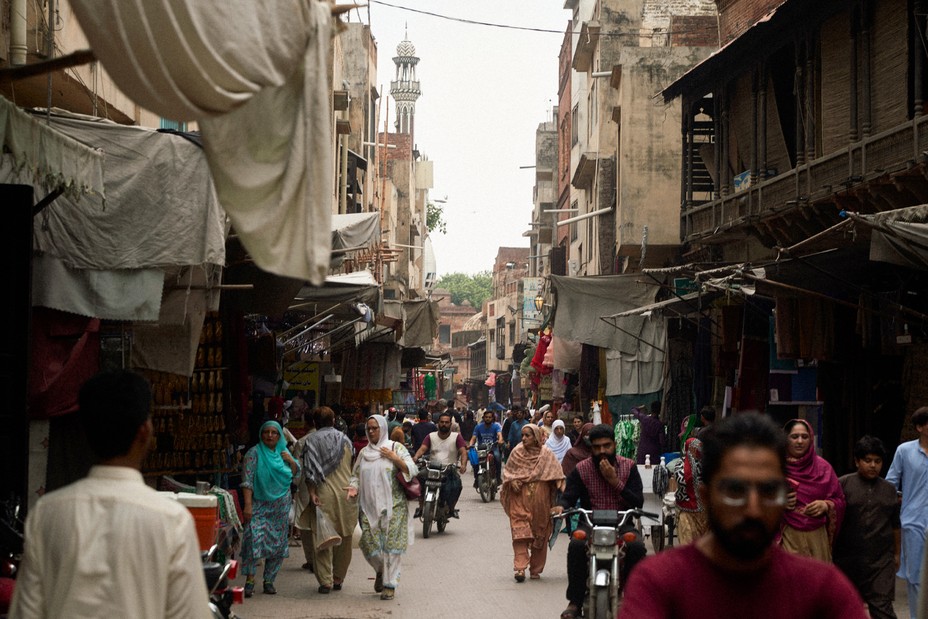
860, 162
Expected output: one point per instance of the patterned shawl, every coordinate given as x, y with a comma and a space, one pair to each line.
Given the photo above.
816, 481
323, 452
534, 464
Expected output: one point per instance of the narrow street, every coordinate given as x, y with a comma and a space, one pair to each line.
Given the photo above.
464, 572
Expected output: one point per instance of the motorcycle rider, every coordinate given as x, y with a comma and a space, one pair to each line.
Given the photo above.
442, 446
602, 481
489, 433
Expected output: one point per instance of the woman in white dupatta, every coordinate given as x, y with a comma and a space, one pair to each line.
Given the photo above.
558, 441
385, 527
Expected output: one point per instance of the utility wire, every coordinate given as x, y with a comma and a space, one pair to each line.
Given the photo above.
629, 33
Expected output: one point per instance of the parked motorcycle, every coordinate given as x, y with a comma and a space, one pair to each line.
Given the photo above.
11, 550
218, 575
434, 507
486, 479
606, 551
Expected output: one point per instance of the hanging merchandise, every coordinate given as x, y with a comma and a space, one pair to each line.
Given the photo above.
491, 380
627, 433
429, 386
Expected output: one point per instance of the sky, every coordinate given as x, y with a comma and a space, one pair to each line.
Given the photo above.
485, 90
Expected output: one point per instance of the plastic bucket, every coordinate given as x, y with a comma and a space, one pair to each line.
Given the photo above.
472, 455
205, 511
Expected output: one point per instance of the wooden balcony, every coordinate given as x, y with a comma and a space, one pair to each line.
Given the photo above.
876, 173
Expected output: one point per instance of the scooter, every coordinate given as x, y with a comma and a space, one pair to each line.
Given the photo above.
606, 551
486, 480
434, 508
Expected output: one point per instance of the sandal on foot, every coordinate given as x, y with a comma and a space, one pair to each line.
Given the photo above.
336, 586
571, 612
378, 582
535, 576
269, 588
520, 575
249, 589
387, 594
324, 589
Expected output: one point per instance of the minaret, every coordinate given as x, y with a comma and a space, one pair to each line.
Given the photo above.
405, 88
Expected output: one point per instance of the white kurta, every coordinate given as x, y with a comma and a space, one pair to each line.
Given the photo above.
110, 546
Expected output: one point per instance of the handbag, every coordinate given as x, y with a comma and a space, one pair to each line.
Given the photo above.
412, 489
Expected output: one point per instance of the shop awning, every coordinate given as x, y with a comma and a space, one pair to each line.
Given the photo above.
899, 236
40, 154
683, 305
583, 301
420, 321
354, 231
253, 75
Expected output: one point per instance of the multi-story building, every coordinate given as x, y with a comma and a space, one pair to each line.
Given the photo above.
624, 149
811, 112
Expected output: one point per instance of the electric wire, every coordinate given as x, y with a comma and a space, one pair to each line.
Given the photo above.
474, 22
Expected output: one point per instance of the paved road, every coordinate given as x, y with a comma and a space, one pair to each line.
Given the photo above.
464, 572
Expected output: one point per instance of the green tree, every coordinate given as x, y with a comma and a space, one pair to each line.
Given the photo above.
475, 288
435, 217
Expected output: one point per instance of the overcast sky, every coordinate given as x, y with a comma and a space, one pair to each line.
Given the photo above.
484, 92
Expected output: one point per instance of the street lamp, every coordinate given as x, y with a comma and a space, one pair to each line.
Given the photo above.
539, 303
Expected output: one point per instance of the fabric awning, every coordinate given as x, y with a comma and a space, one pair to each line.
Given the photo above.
420, 321
899, 236
254, 76
683, 305
583, 301
40, 154
355, 230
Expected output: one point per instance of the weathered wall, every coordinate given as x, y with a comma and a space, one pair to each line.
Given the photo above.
650, 149
736, 16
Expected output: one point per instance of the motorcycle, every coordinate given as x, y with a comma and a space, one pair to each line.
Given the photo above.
606, 551
218, 575
434, 508
11, 550
486, 479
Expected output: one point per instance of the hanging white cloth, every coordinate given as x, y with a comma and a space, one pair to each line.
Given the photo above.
254, 75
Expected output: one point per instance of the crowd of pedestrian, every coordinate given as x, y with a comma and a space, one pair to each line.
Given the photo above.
763, 521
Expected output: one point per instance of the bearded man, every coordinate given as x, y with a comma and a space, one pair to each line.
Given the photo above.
737, 569
602, 481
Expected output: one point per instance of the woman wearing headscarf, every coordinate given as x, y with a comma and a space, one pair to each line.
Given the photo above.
547, 423
580, 451
531, 479
811, 519
385, 527
269, 469
327, 459
558, 441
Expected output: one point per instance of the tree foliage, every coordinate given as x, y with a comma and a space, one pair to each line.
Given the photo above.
475, 288
435, 217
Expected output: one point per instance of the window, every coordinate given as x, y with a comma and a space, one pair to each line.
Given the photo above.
444, 334
573, 226
590, 228
575, 125
176, 125
512, 331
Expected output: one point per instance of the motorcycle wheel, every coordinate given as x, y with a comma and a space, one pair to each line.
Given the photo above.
657, 537
601, 603
493, 489
442, 523
483, 484
427, 510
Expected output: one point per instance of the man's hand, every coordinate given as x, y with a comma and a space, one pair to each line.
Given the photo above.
609, 472
557, 510
351, 492
516, 485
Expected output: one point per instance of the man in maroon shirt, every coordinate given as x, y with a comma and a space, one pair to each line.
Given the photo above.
736, 570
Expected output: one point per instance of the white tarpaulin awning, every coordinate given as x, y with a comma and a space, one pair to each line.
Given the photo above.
899, 236
40, 154
255, 77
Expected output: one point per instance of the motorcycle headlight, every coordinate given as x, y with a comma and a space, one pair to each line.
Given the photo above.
434, 474
603, 536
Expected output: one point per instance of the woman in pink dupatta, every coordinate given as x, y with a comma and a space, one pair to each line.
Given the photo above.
530, 480
811, 524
